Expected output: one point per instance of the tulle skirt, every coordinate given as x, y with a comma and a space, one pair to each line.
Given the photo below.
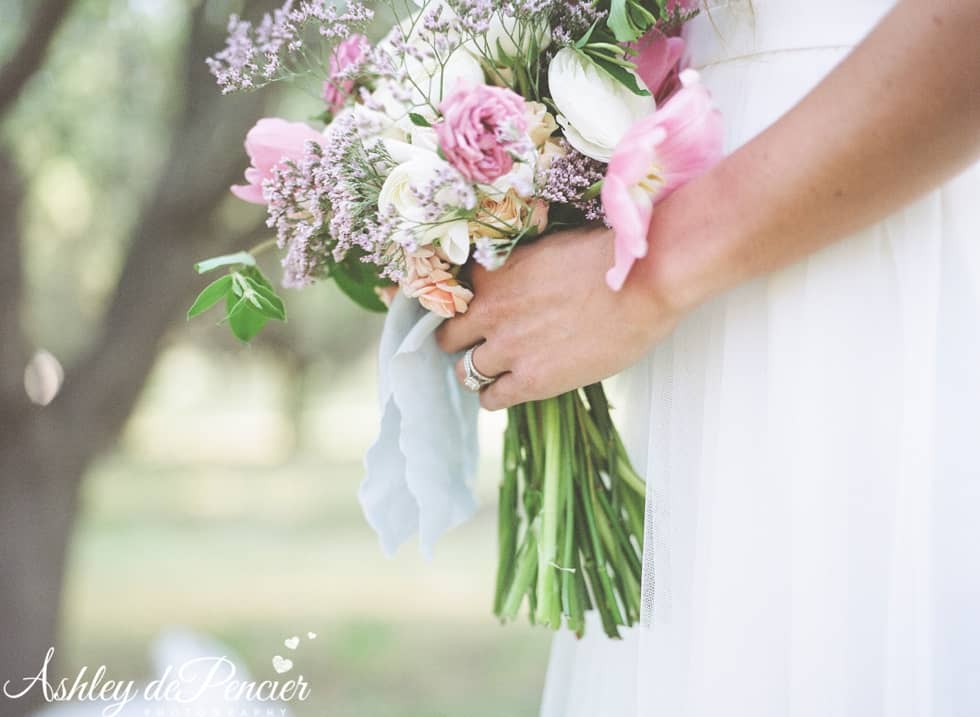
812, 447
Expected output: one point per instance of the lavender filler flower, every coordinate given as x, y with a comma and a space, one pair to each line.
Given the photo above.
254, 56
569, 180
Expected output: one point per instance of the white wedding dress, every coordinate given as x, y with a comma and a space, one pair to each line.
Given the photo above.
812, 446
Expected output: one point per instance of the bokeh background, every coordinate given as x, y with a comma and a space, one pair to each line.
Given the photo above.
155, 473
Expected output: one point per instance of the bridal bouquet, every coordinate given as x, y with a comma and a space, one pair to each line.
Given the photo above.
470, 127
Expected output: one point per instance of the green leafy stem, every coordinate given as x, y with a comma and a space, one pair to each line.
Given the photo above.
249, 298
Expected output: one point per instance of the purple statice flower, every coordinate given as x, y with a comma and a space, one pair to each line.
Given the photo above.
446, 193
491, 253
297, 210
324, 206
253, 56
236, 65
354, 167
473, 15
569, 178
571, 20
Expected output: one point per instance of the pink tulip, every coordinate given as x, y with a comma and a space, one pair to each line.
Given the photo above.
268, 143
346, 55
657, 59
659, 153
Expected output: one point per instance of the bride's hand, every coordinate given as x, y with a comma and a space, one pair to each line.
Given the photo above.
549, 322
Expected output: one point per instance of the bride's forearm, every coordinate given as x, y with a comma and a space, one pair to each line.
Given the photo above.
899, 116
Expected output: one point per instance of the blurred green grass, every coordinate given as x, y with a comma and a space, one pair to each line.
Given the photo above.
254, 546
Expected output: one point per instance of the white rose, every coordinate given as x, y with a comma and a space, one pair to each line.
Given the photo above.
520, 178
596, 110
390, 99
505, 30
402, 152
399, 192
423, 137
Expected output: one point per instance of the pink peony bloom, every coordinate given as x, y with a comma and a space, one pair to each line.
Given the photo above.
657, 59
659, 153
268, 143
346, 55
430, 281
482, 127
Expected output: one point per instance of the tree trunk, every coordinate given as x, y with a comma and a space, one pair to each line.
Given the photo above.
38, 495
45, 451
37, 499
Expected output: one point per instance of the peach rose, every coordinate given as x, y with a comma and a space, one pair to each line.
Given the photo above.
430, 281
504, 217
540, 123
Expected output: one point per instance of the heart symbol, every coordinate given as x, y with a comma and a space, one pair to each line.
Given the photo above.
291, 643
281, 664
311, 635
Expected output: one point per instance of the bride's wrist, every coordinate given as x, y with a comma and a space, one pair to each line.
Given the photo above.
685, 264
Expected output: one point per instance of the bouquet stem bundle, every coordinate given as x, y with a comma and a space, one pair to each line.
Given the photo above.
571, 516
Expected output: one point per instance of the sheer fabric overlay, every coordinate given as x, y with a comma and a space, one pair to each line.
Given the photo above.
810, 442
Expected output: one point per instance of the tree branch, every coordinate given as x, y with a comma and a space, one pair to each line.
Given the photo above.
177, 225
29, 55
13, 349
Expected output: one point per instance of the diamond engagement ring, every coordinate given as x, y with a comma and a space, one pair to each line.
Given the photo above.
474, 379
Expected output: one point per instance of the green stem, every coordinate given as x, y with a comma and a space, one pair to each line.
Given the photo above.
523, 578
548, 607
263, 246
507, 517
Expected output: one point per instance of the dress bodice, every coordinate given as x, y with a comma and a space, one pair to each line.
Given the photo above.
734, 29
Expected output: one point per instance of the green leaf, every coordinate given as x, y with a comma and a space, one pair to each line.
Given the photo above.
643, 17
254, 273
324, 117
584, 40
418, 120
594, 191
271, 303
621, 74
608, 47
244, 320
601, 56
242, 257
620, 23
212, 294
358, 284
267, 302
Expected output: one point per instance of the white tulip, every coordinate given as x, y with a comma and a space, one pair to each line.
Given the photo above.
432, 81
596, 110
400, 192
429, 80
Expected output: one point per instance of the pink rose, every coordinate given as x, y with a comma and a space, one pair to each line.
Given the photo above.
659, 153
346, 55
429, 280
482, 127
268, 143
